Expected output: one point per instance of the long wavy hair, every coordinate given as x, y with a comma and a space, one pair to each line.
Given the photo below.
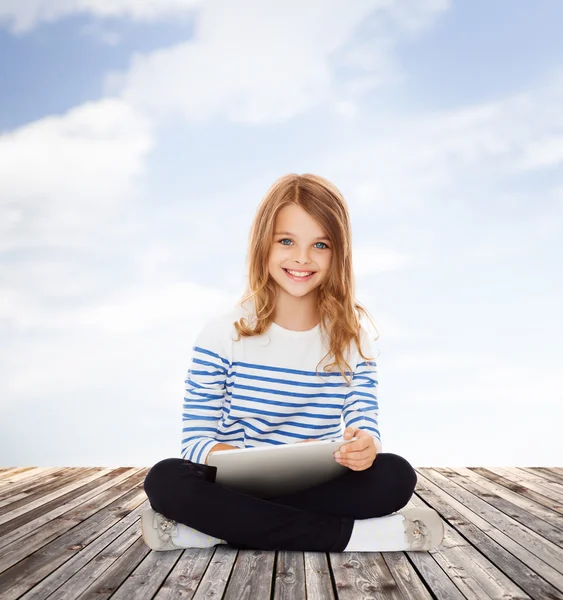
339, 310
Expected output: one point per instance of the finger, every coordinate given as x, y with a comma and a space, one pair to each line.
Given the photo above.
350, 432
355, 457
365, 440
346, 462
357, 446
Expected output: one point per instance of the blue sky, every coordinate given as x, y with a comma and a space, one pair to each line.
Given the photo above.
476, 50
62, 64
135, 148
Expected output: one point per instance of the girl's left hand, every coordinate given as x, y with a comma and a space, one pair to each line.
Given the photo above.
358, 455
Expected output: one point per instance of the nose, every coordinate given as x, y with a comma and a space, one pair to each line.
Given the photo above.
301, 257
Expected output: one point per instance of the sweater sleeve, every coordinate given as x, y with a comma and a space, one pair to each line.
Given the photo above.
205, 388
361, 408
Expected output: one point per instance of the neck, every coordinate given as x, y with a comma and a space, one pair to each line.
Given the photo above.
296, 313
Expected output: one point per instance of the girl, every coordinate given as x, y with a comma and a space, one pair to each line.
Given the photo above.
255, 380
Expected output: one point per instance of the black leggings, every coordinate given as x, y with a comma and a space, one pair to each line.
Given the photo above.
318, 519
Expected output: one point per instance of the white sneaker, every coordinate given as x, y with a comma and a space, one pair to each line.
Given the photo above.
424, 528
161, 533
158, 531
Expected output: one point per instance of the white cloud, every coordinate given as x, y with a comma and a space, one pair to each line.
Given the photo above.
128, 315
545, 152
98, 31
416, 16
412, 15
253, 62
23, 16
62, 175
541, 221
221, 73
370, 259
473, 158
136, 310
389, 328
345, 108
410, 363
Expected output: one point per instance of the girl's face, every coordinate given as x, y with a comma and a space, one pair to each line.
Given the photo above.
299, 249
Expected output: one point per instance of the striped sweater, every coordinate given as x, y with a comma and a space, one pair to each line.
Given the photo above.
264, 390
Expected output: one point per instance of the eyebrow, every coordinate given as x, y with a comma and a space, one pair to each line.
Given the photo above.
293, 235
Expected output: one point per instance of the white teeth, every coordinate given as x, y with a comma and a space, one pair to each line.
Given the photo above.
296, 274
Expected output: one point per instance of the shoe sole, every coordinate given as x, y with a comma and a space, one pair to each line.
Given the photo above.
432, 521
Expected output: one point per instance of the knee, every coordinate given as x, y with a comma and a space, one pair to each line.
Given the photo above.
401, 475
389, 485
159, 474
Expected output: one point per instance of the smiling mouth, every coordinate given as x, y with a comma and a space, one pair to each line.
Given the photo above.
299, 277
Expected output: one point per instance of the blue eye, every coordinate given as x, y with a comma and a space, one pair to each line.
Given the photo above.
284, 239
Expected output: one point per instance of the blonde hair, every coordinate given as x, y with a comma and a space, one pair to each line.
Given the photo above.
340, 312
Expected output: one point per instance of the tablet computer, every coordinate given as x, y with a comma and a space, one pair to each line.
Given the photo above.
268, 471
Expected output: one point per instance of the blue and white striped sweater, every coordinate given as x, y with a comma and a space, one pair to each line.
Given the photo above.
264, 390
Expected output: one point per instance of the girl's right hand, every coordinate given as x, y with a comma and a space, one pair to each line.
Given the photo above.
307, 440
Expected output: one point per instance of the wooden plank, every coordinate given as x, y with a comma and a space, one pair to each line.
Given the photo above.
102, 566
27, 494
503, 543
33, 494
542, 509
31, 473
318, 577
394, 573
536, 528
30, 517
30, 479
444, 569
410, 583
363, 576
252, 576
191, 573
555, 470
11, 471
544, 474
188, 573
23, 565
530, 475
549, 473
83, 538
289, 576
214, 581
130, 571
525, 486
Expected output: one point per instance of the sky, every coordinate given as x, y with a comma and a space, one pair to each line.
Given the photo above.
137, 140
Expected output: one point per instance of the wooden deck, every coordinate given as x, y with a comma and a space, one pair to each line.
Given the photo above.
75, 533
